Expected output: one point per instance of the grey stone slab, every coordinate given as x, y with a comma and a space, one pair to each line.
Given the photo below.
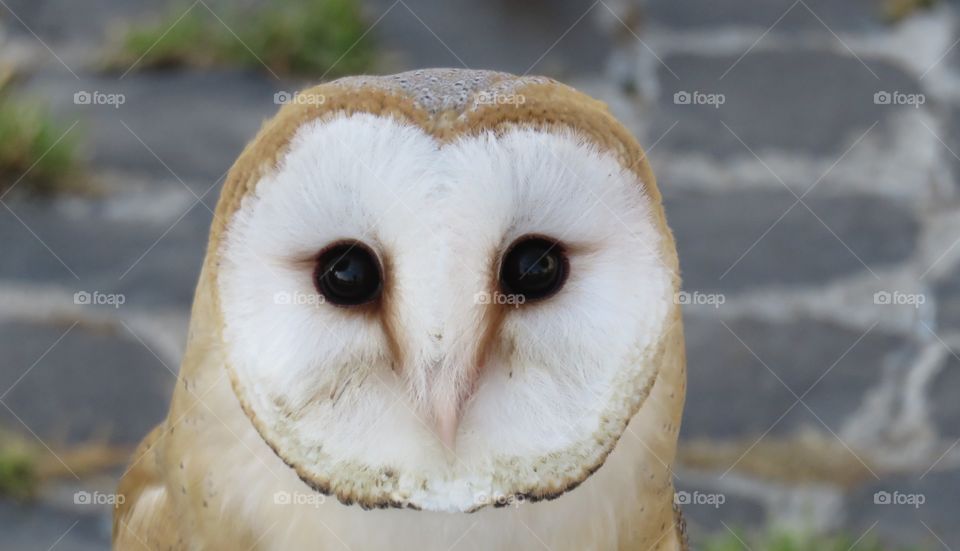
64, 21
707, 509
951, 135
732, 394
781, 15
801, 102
951, 59
540, 37
714, 230
192, 123
151, 264
29, 527
947, 292
903, 523
90, 384
945, 400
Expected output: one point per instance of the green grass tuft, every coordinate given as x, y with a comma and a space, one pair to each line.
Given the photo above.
302, 37
783, 541
895, 11
18, 474
34, 150
169, 43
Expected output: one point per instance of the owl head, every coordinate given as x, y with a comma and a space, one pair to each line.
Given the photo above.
443, 289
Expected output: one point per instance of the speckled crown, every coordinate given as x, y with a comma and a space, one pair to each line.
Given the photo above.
446, 90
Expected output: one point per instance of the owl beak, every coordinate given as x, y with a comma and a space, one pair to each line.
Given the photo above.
457, 375
447, 409
447, 421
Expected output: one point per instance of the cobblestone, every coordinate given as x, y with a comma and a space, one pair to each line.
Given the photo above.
39, 527
705, 506
741, 373
806, 102
187, 125
779, 242
944, 400
89, 384
520, 39
948, 299
893, 507
798, 287
150, 264
784, 15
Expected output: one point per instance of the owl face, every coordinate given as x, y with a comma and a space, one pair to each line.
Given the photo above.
442, 325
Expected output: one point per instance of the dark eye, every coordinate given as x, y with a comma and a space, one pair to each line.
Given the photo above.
534, 267
348, 274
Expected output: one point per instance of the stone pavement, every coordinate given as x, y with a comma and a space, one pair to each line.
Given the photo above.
808, 154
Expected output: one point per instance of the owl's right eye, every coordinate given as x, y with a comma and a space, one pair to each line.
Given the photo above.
348, 274
534, 267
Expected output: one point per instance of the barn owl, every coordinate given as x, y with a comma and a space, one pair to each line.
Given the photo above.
437, 311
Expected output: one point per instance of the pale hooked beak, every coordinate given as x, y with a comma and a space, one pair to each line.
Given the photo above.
446, 415
453, 377
447, 405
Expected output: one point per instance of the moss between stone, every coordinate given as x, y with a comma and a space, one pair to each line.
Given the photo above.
784, 541
36, 153
18, 468
805, 457
895, 11
25, 464
303, 37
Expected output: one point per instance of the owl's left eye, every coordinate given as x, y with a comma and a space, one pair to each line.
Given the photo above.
533, 267
348, 274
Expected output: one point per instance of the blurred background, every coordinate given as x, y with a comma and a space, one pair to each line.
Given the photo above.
807, 151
